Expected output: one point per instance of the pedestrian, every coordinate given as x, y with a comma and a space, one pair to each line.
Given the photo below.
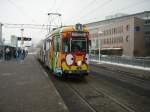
17, 54
26, 52
7, 51
23, 54
1, 53
9, 54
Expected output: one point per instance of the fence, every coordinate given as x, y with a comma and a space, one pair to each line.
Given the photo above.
142, 62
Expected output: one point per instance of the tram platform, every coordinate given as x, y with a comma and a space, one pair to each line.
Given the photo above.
25, 87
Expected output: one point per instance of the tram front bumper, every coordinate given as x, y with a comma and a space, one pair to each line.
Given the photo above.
76, 72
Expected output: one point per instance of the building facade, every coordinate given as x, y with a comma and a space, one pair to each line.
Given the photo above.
14, 41
126, 36
0, 33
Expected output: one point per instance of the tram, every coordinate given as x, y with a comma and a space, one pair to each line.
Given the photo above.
65, 51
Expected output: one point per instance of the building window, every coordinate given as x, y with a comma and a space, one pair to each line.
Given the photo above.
115, 40
147, 41
112, 31
112, 40
147, 22
127, 28
109, 31
137, 28
147, 33
118, 40
127, 38
121, 39
121, 29
117, 30
104, 33
101, 41
107, 41
104, 41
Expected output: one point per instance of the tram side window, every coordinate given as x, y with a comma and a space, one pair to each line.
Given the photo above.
47, 45
57, 44
88, 45
66, 45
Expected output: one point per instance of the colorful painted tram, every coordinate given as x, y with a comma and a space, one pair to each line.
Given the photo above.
65, 50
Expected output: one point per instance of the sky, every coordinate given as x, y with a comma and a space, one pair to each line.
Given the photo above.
72, 11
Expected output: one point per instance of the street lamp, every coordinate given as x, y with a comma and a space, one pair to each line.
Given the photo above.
100, 33
22, 37
3, 41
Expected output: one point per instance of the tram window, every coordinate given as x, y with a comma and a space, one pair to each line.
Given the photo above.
66, 45
47, 45
89, 42
57, 44
78, 45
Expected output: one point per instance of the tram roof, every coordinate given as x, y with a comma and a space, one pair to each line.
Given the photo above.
67, 29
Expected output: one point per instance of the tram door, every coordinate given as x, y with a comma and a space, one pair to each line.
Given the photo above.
47, 50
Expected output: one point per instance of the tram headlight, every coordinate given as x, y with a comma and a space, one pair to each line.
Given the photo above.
69, 59
79, 63
87, 59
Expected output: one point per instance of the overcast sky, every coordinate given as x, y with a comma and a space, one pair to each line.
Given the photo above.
73, 11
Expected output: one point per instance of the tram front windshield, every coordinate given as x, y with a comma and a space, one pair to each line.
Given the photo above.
78, 45
75, 45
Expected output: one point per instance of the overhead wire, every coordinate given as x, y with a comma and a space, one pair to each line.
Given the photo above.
32, 26
85, 8
128, 6
53, 6
102, 5
123, 8
131, 5
60, 5
21, 10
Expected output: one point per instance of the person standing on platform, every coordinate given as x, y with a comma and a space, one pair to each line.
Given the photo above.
1, 53
7, 53
17, 54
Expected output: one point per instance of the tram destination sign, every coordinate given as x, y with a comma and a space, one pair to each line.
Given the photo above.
78, 34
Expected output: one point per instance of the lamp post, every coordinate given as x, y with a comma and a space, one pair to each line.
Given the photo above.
99, 43
3, 41
22, 42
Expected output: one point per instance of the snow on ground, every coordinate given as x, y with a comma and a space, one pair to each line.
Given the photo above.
124, 65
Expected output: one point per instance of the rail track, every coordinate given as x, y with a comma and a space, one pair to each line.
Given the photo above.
127, 73
85, 95
102, 100
124, 76
133, 92
114, 102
